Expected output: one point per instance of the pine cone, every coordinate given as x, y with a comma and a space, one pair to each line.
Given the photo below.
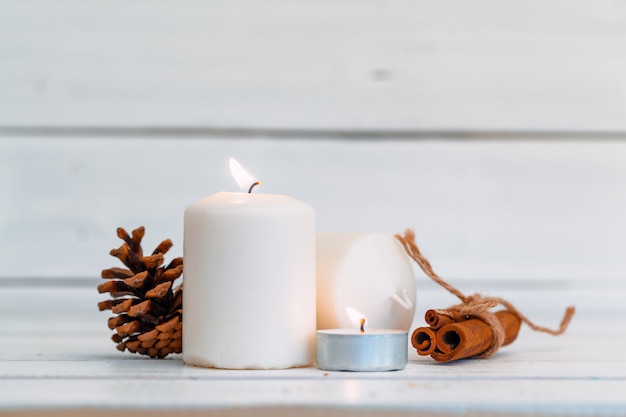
149, 313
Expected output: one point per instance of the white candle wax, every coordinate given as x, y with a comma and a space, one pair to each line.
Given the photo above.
249, 282
368, 271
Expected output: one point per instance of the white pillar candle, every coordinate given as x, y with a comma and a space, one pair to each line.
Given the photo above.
367, 271
249, 282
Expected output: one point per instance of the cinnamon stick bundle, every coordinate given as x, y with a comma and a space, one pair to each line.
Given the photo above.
462, 339
468, 329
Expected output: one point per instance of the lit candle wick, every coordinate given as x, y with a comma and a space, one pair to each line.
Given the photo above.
252, 186
356, 317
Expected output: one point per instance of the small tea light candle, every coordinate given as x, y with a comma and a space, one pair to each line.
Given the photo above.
361, 349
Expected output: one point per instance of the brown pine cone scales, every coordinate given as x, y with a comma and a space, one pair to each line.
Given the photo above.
148, 308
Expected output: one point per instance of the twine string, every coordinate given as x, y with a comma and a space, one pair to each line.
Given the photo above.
475, 305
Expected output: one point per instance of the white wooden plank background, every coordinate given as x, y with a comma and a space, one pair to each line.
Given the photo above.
407, 65
481, 209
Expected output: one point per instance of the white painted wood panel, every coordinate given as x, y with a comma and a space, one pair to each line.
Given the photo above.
384, 397
402, 65
41, 309
512, 210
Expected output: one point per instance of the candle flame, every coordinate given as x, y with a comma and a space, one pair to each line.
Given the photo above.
246, 181
356, 318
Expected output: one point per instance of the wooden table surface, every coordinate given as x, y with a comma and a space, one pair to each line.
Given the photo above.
56, 359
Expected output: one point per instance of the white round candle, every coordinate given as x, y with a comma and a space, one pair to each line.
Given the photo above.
249, 282
368, 271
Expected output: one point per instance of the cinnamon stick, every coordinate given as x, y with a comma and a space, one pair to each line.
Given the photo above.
436, 319
472, 337
424, 340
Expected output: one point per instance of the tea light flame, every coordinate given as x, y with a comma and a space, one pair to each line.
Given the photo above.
356, 318
246, 181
